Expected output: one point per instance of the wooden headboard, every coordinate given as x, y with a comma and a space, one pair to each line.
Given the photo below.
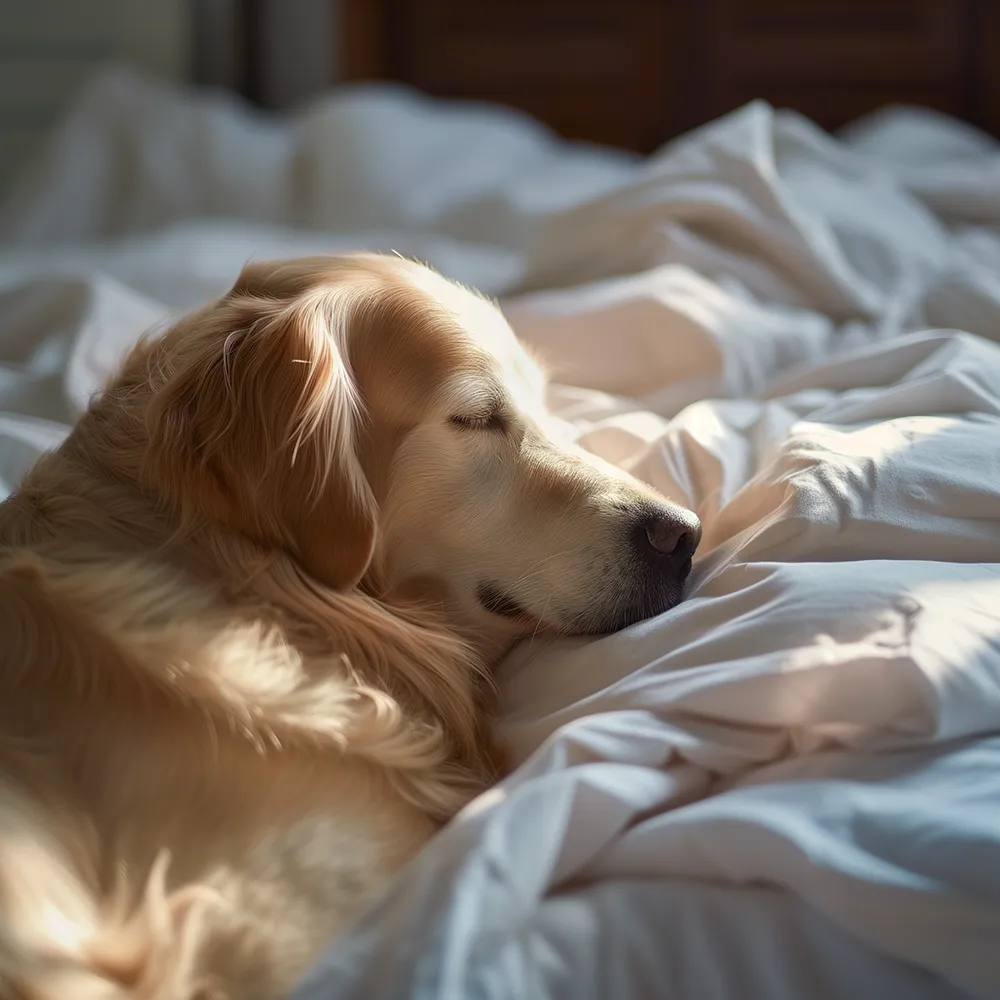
633, 73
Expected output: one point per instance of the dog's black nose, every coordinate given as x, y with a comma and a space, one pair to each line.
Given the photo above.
668, 540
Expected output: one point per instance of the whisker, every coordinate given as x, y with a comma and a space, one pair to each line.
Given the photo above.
538, 568
541, 617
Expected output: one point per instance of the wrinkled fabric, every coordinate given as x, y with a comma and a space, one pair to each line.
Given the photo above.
787, 786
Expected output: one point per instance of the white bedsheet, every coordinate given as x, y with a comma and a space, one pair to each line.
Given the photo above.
787, 787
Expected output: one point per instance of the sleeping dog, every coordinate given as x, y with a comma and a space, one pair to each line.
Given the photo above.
247, 615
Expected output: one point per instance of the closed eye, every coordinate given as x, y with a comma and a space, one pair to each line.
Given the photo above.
480, 422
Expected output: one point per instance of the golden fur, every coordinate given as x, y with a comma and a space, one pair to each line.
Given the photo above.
247, 613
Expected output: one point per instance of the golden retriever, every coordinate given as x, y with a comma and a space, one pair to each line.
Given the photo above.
247, 615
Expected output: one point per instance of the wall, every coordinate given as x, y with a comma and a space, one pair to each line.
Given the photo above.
48, 48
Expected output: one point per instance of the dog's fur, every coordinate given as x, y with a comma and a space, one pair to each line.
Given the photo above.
247, 612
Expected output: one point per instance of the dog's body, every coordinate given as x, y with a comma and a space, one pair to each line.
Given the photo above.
247, 612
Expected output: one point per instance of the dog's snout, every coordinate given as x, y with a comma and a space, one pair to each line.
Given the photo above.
669, 539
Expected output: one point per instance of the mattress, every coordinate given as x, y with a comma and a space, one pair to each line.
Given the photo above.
789, 785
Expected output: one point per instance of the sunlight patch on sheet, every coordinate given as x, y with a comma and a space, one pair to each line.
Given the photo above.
953, 649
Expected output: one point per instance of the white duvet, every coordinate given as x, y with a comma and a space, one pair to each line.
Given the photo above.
787, 787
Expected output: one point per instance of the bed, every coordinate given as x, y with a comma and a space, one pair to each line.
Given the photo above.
788, 786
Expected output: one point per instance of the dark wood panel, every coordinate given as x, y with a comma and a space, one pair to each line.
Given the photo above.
637, 72
985, 90
858, 16
927, 43
590, 68
835, 60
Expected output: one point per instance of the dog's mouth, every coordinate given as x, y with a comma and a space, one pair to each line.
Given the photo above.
649, 604
497, 602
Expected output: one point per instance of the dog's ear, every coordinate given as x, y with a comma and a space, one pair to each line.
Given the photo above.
252, 424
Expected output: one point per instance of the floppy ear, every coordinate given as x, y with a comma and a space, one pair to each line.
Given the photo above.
253, 426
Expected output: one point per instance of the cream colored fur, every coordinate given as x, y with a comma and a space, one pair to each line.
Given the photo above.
244, 673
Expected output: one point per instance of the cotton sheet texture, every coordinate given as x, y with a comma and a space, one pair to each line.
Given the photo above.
787, 787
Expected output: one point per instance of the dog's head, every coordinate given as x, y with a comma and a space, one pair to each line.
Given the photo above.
385, 427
